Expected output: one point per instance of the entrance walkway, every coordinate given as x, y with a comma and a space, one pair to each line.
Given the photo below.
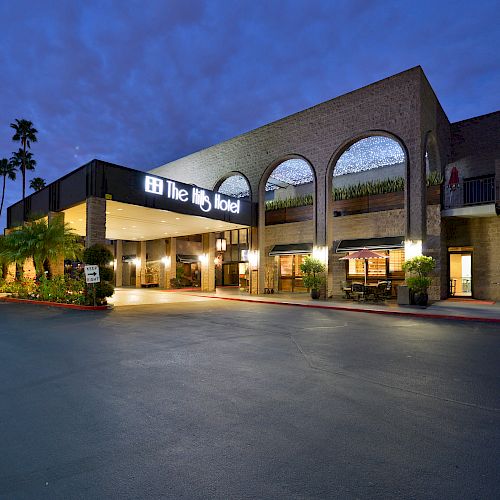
445, 309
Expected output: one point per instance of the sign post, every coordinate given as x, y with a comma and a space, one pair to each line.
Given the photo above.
92, 277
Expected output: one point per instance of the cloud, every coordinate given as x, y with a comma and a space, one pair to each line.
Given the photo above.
142, 84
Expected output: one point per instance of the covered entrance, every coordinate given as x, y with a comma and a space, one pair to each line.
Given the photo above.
460, 266
288, 260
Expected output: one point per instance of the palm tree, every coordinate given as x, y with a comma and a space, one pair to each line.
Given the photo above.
23, 160
25, 133
7, 169
37, 183
43, 242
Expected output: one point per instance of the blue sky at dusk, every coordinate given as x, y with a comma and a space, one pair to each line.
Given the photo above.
142, 83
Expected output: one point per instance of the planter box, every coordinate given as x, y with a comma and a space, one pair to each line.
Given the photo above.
360, 205
54, 304
284, 215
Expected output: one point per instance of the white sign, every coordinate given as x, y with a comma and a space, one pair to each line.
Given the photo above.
196, 197
92, 274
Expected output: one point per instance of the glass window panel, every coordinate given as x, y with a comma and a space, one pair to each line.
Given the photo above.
376, 267
356, 266
234, 237
286, 265
396, 259
243, 236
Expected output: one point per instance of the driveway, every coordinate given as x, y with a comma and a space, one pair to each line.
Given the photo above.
216, 399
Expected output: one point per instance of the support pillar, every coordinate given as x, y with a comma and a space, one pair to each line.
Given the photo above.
171, 261
208, 265
140, 267
95, 222
119, 263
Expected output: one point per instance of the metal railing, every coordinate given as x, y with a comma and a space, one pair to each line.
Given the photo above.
470, 192
479, 190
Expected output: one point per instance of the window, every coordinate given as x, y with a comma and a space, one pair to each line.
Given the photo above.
396, 259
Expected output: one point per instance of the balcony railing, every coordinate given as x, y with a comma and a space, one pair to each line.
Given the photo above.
471, 192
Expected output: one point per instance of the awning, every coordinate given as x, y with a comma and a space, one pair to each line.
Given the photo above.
187, 259
387, 243
292, 249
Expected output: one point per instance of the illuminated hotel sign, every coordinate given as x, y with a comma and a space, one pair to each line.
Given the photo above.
193, 195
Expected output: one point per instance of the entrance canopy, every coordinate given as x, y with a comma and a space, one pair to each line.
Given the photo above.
142, 193
136, 223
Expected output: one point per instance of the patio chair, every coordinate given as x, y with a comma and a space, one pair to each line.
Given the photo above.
358, 291
346, 289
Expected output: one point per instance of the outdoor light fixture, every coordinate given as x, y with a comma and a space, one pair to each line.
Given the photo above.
203, 258
413, 248
137, 262
220, 244
321, 253
218, 260
253, 258
166, 261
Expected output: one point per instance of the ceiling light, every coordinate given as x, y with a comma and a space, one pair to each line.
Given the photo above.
119, 209
107, 213
163, 221
80, 220
177, 218
124, 228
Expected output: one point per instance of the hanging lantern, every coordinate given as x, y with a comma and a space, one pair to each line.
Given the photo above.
220, 244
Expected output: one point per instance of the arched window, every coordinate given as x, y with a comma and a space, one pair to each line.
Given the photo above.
235, 185
290, 179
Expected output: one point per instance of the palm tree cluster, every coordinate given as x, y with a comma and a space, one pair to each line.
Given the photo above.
22, 159
43, 241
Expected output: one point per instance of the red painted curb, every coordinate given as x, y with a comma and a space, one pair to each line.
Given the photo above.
368, 311
54, 304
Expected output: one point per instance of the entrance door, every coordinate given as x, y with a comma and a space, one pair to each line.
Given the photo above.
460, 265
290, 276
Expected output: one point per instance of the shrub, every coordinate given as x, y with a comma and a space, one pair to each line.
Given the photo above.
313, 270
99, 255
420, 267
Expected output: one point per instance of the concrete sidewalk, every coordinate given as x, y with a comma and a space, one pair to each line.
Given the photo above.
466, 310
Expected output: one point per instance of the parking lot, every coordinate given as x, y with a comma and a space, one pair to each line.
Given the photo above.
214, 399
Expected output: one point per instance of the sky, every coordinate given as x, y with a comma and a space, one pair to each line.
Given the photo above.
143, 83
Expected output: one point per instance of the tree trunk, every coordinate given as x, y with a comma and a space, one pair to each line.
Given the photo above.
3, 194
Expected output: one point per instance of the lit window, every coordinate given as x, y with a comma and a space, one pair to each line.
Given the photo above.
396, 259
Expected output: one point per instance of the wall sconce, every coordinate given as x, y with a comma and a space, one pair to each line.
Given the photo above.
321, 253
166, 261
253, 258
137, 262
203, 258
220, 244
413, 248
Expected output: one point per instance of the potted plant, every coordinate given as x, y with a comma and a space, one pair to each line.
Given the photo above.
313, 270
419, 267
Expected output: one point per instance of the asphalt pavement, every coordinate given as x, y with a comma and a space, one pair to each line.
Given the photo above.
222, 399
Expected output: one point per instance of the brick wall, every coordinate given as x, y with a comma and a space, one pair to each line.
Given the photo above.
483, 234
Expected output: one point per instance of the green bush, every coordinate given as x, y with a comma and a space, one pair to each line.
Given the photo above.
99, 255
313, 270
420, 267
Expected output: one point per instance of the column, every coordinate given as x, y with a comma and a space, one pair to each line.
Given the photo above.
321, 221
415, 194
96, 221
171, 261
208, 266
57, 264
119, 263
140, 267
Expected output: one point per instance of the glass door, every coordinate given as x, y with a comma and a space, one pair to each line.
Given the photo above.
290, 277
460, 265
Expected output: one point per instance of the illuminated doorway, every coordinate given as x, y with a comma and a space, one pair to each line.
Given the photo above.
460, 265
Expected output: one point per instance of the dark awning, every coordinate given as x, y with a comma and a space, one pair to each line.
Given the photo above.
294, 248
187, 259
387, 243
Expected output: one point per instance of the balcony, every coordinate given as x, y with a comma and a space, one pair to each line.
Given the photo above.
473, 197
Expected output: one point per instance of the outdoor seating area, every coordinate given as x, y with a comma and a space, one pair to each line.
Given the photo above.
376, 292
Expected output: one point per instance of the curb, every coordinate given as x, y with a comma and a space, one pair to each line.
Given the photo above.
54, 304
367, 311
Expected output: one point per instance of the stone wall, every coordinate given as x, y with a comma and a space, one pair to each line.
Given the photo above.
483, 234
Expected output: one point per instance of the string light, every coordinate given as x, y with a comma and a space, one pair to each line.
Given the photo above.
365, 154
236, 186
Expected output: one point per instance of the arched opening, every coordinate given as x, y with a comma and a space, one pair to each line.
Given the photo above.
287, 192
368, 182
232, 246
234, 184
